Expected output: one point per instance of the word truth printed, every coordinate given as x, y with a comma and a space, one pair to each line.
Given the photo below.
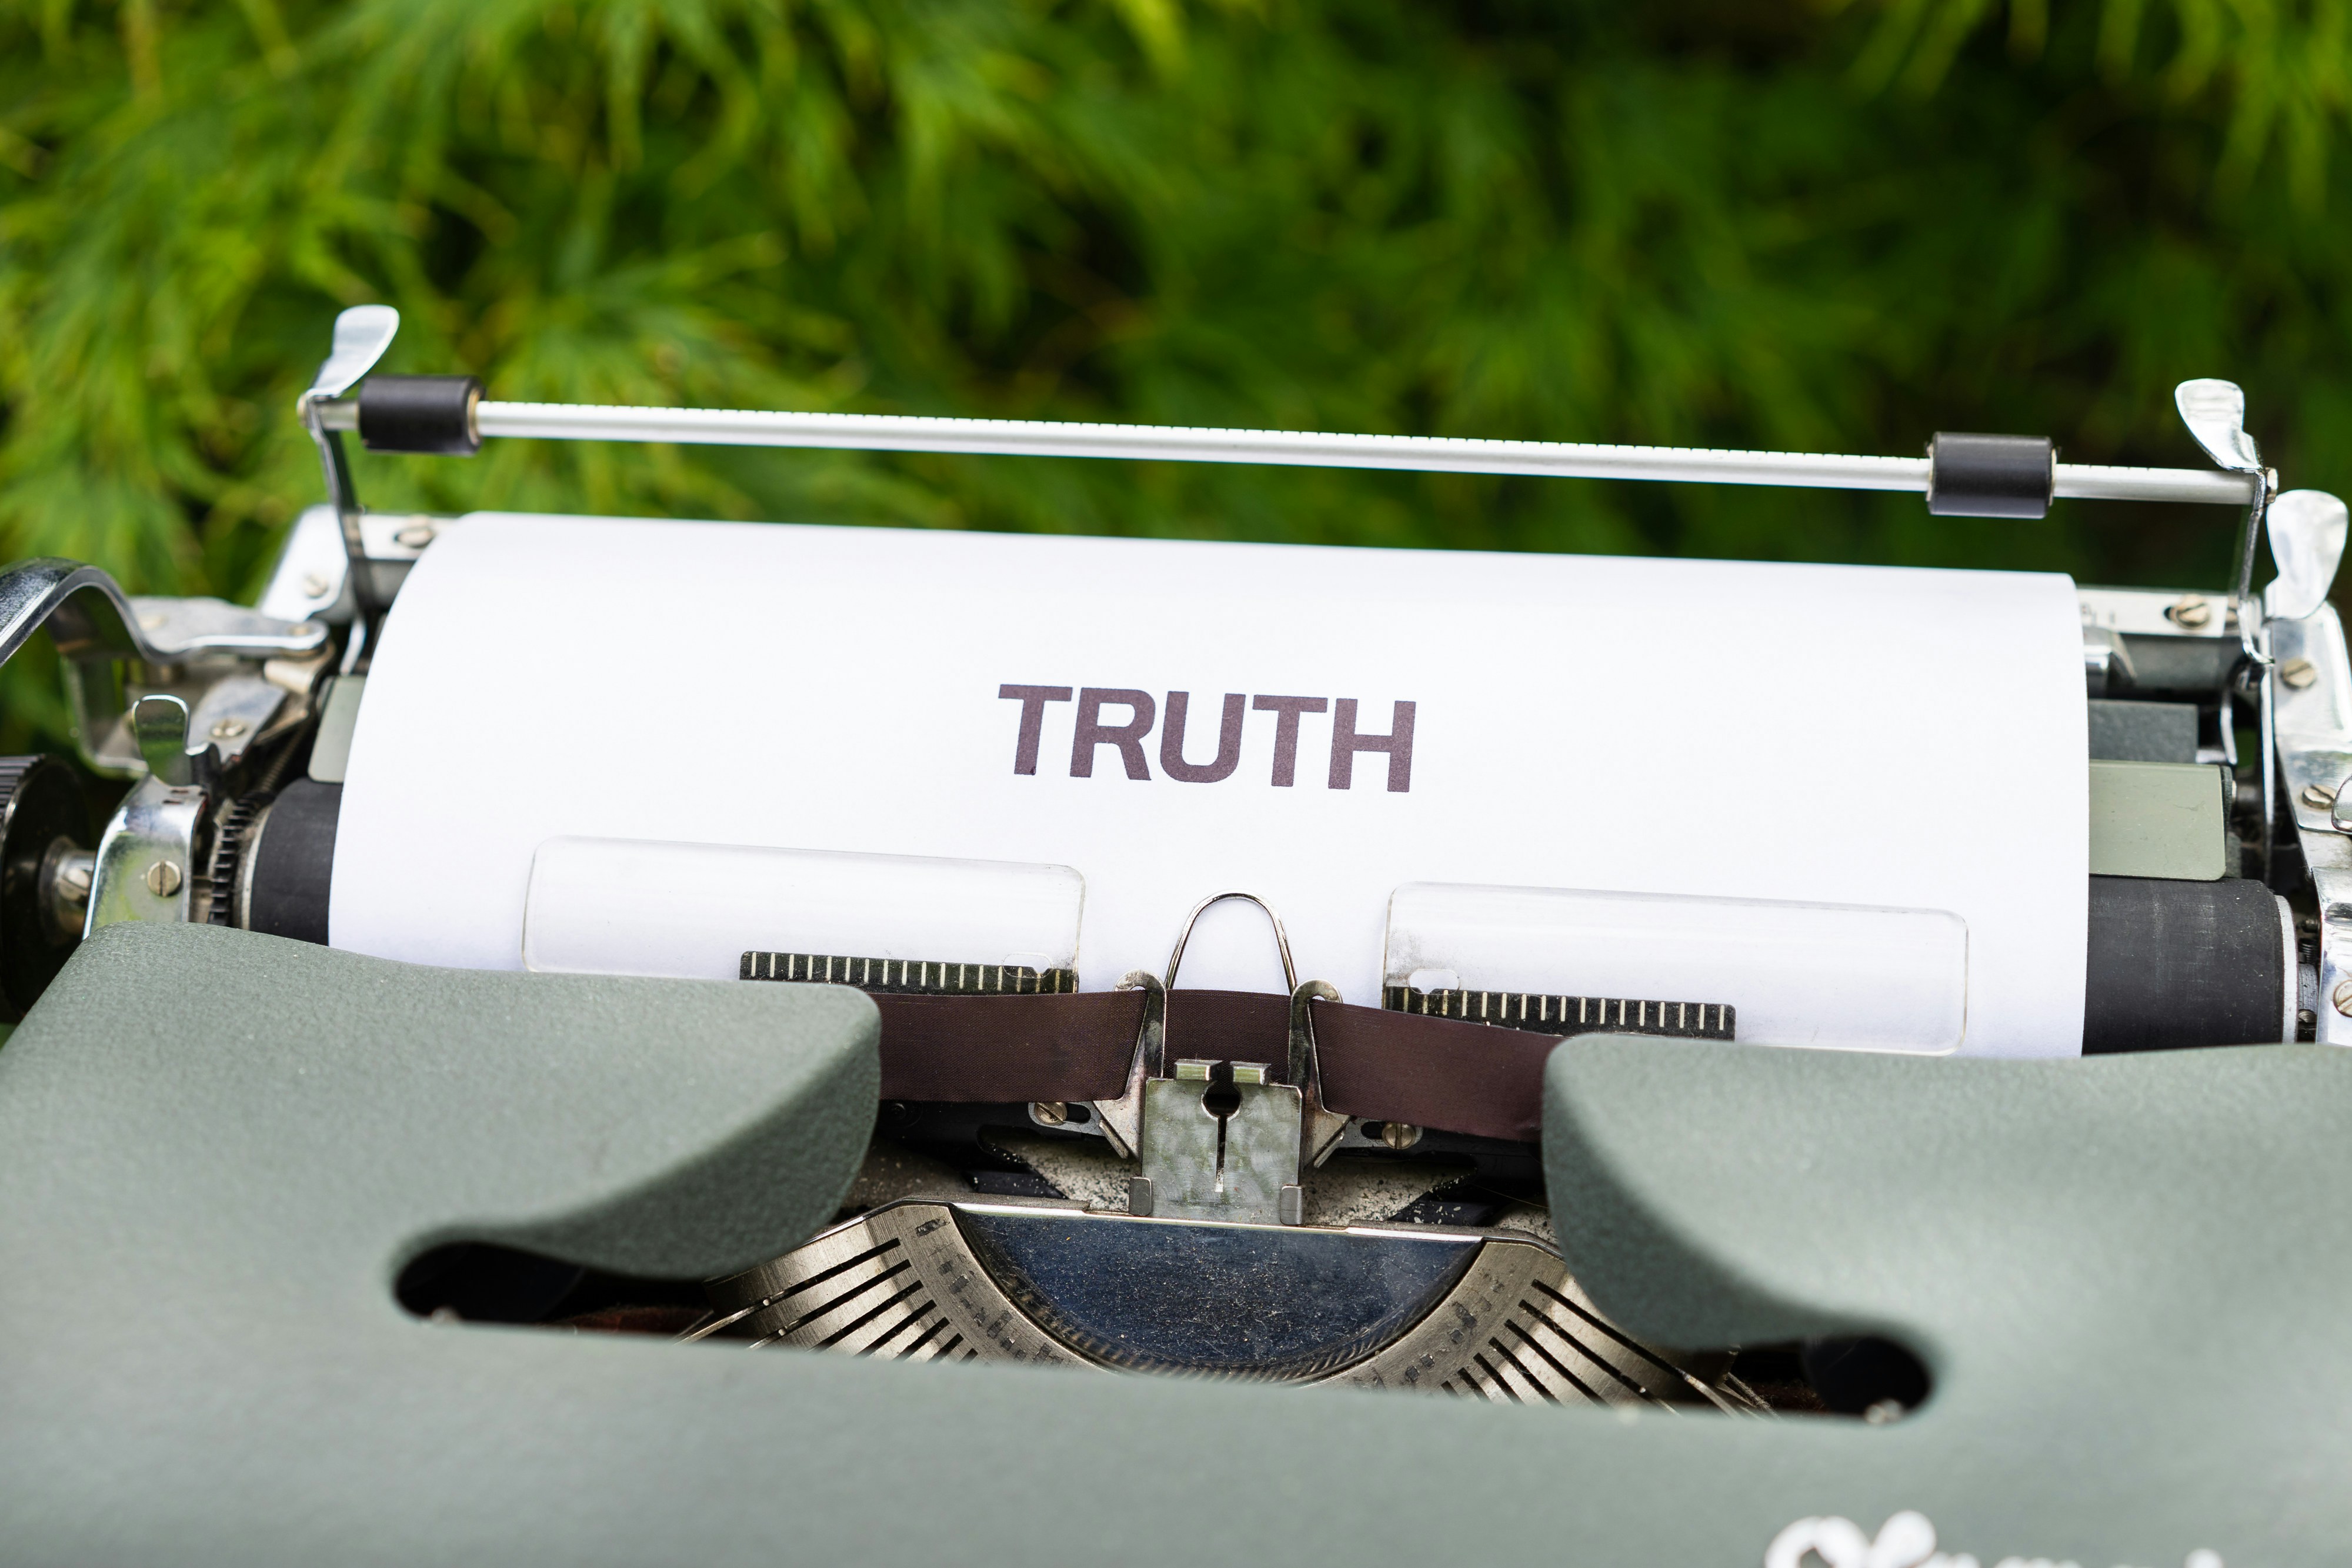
1122, 718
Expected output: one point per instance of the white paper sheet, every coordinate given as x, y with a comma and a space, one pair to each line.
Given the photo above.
1903, 739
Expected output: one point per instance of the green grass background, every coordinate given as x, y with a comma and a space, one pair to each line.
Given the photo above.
1713, 222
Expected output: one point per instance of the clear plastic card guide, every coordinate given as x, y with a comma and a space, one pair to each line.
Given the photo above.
1840, 976
620, 906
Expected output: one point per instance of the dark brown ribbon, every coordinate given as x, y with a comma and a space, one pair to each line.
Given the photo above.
1383, 1065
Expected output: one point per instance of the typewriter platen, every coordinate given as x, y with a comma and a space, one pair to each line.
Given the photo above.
1278, 1186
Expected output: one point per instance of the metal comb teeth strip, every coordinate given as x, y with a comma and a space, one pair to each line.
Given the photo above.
1569, 1015
908, 976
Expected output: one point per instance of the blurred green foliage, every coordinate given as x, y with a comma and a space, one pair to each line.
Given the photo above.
1715, 222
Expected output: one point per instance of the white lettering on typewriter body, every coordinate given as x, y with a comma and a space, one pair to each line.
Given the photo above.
1905, 1541
1122, 717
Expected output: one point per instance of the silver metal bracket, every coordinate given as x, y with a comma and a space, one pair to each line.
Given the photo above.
2215, 413
90, 619
1122, 1119
159, 725
146, 867
311, 578
2307, 531
1321, 1128
1222, 1140
361, 335
2312, 715
146, 861
196, 645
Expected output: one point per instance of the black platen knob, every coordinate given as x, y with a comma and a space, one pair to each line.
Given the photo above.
45, 837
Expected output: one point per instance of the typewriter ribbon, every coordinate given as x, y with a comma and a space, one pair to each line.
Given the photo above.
1376, 1065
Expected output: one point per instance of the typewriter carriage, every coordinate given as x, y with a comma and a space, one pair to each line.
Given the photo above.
222, 718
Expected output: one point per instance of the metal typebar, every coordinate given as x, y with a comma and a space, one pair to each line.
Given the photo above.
1042, 438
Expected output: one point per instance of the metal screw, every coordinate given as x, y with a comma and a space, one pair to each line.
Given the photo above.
228, 729
416, 536
1403, 1134
2298, 673
1049, 1112
315, 586
2192, 612
2318, 796
163, 880
2343, 999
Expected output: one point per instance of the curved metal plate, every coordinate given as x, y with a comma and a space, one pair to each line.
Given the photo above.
1489, 1313
1283, 1303
898, 1282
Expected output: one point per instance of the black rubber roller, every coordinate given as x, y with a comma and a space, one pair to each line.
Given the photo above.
1967, 476
424, 414
288, 863
2184, 964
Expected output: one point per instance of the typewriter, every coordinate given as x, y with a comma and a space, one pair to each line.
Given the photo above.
759, 1201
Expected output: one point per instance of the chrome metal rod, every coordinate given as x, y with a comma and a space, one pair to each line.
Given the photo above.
2211, 486
1042, 438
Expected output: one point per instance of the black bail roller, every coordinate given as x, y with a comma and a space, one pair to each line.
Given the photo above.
1988, 476
424, 414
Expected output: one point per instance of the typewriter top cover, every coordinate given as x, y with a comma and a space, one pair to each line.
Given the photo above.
612, 1040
